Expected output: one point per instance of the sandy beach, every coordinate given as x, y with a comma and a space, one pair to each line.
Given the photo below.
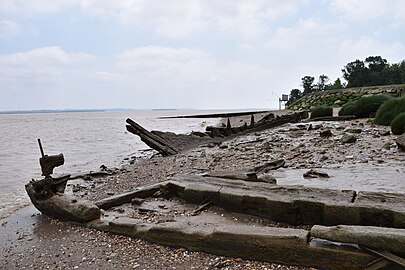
29, 240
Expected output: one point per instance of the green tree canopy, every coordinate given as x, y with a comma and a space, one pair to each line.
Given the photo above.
374, 70
308, 84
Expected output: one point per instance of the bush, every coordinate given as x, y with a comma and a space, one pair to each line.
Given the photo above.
398, 124
389, 110
365, 106
321, 111
347, 109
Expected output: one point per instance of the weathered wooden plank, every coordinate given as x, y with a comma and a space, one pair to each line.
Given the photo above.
277, 245
116, 200
292, 204
390, 239
387, 255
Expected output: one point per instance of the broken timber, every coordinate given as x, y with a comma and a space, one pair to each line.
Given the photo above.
379, 238
269, 121
296, 205
290, 204
167, 143
48, 196
154, 141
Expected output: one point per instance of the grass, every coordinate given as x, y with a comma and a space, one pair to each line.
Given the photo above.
321, 111
398, 124
364, 107
389, 110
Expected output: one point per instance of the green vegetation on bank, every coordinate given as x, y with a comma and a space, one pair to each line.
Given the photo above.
321, 111
398, 124
389, 110
365, 106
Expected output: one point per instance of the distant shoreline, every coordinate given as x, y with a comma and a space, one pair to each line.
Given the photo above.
48, 111
218, 115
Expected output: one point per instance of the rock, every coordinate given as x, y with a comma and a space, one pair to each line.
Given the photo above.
323, 158
325, 133
354, 130
137, 201
272, 165
387, 146
199, 134
347, 138
315, 174
401, 142
267, 178
384, 132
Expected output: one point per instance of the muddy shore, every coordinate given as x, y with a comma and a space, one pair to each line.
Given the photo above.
29, 240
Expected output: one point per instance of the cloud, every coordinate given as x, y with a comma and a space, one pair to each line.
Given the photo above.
34, 7
306, 34
42, 76
175, 76
187, 17
43, 57
365, 46
365, 10
9, 29
144, 77
178, 19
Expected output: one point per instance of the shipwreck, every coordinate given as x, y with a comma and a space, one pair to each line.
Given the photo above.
215, 212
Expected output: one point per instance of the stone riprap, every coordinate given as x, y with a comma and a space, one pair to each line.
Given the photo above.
339, 97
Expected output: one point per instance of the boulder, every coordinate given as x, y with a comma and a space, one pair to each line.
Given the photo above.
348, 138
325, 133
401, 142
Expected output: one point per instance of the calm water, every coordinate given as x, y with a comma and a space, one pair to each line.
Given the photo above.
87, 141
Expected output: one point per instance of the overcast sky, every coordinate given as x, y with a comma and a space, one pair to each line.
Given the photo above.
57, 54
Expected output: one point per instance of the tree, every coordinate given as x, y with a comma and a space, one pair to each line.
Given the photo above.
376, 66
295, 94
336, 85
356, 74
308, 84
376, 63
323, 79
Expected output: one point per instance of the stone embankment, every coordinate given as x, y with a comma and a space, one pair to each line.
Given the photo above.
341, 96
